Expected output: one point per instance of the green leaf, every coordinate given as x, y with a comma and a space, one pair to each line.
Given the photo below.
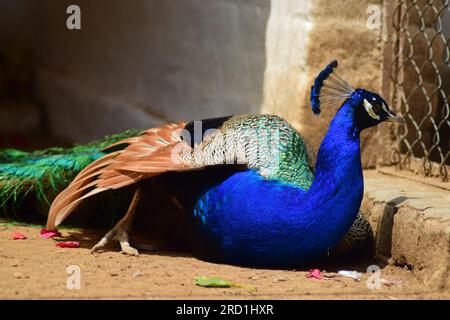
213, 282
219, 283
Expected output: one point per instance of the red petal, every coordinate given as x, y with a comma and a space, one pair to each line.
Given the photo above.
18, 236
50, 233
315, 274
68, 244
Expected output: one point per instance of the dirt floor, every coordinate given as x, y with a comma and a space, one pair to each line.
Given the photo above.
35, 268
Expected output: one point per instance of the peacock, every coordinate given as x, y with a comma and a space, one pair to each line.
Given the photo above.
248, 189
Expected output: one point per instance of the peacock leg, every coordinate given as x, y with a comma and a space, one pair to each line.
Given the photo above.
121, 231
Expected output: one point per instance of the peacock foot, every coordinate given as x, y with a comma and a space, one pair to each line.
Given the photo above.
122, 237
118, 234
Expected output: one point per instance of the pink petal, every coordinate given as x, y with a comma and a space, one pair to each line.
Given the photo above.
50, 233
315, 274
68, 244
18, 236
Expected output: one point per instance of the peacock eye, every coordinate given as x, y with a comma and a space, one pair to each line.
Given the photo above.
376, 107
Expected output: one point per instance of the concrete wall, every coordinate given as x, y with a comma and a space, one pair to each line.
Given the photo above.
18, 113
286, 79
303, 36
16, 22
154, 61
149, 61
410, 221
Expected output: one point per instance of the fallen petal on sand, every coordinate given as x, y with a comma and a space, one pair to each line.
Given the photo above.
18, 236
68, 244
50, 233
315, 274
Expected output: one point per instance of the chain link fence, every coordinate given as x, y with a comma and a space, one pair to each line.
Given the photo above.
420, 77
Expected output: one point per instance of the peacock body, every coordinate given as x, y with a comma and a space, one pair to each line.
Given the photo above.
255, 217
252, 196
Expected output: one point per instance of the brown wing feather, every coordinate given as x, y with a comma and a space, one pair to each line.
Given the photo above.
147, 155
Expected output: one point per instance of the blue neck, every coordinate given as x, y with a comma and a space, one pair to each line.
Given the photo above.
339, 158
337, 189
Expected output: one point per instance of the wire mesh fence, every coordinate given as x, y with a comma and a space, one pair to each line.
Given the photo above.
420, 76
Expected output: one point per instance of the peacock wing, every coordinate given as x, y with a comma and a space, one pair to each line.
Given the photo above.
153, 152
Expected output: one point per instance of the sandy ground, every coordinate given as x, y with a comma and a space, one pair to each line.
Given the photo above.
35, 268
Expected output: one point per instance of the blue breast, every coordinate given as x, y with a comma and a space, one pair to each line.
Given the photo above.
248, 220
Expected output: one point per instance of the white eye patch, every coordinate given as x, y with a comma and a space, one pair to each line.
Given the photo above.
370, 111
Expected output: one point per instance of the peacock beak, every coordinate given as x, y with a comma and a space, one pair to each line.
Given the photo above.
395, 118
392, 117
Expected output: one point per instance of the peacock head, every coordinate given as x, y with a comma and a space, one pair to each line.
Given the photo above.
371, 109
330, 89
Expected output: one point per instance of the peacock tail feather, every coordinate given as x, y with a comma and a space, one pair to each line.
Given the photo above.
44, 173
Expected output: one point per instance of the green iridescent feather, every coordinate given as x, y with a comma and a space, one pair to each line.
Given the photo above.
44, 173
266, 143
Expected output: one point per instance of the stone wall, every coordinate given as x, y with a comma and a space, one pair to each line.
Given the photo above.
303, 36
